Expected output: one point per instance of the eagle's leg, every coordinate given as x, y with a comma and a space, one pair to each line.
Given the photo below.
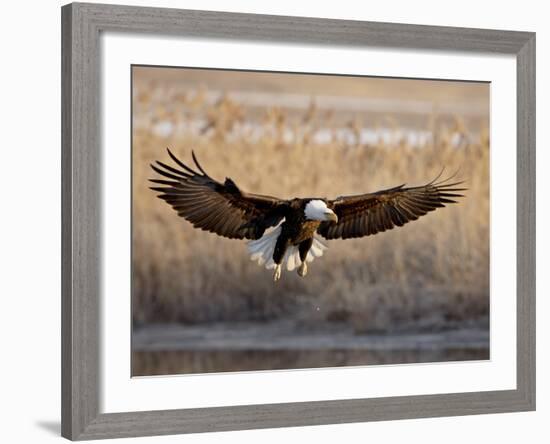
304, 249
277, 273
278, 255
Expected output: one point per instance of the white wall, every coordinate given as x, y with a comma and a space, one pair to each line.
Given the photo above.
30, 220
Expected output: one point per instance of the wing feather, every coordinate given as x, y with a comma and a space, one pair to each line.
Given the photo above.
371, 213
221, 208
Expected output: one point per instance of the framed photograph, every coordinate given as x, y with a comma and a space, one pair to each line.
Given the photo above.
278, 221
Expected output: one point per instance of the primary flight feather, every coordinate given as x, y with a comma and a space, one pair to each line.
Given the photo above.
288, 231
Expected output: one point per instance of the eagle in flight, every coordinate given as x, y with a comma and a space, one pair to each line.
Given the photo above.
289, 231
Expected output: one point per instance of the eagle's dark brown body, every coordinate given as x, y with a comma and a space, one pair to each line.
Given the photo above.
226, 210
296, 227
296, 230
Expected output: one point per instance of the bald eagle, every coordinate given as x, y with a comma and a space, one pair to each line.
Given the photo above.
289, 230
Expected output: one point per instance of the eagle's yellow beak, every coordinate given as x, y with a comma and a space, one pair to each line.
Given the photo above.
331, 215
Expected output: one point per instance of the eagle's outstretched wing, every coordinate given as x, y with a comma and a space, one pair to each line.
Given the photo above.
212, 206
366, 214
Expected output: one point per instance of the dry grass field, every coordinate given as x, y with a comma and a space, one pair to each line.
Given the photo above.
431, 274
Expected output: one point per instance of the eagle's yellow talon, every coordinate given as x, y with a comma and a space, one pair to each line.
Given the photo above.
277, 273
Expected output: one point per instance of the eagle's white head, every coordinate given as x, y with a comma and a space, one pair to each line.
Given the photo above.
317, 209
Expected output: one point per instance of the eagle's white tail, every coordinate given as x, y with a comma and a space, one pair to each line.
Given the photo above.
261, 250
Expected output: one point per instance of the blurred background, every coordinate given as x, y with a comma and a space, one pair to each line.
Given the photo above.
419, 293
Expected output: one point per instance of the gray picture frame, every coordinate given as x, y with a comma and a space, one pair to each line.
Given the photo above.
81, 232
